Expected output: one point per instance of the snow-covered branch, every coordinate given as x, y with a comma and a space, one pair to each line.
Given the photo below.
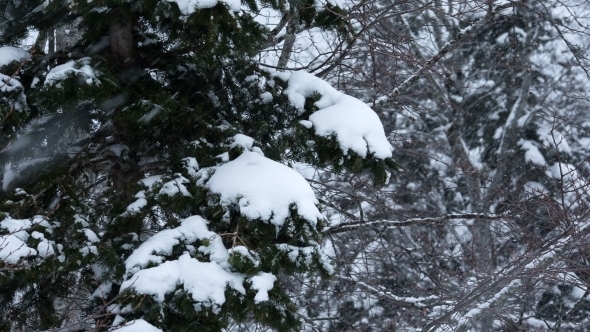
418, 302
346, 227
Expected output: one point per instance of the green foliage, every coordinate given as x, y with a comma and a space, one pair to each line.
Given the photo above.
86, 144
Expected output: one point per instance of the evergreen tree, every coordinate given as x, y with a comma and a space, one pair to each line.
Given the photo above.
146, 166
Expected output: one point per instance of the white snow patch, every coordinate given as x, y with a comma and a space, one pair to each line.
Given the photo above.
12, 249
13, 246
8, 83
264, 189
81, 66
188, 7
175, 186
266, 97
150, 181
356, 126
138, 204
206, 282
102, 290
535, 188
191, 165
263, 282
569, 171
191, 229
118, 149
532, 153
91, 236
306, 124
9, 54
242, 140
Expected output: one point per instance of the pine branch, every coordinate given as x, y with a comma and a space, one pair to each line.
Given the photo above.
463, 35
347, 227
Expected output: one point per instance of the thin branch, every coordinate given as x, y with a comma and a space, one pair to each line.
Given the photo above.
347, 227
463, 35
417, 302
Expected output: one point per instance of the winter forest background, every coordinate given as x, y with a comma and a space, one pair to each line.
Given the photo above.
325, 165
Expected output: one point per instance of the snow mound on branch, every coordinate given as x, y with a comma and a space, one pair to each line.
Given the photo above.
175, 186
206, 282
9, 54
356, 126
264, 189
13, 246
188, 7
263, 282
81, 66
532, 153
8, 83
190, 230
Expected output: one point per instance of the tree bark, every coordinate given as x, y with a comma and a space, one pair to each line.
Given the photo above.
121, 33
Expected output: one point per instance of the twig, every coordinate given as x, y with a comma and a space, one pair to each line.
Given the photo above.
346, 227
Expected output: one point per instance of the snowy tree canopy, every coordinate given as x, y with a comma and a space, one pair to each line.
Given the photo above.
184, 165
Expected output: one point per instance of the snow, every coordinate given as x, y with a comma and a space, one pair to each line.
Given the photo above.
191, 165
191, 229
150, 181
175, 186
264, 189
91, 236
568, 171
535, 188
306, 124
356, 126
266, 97
9, 54
320, 5
77, 67
13, 246
44, 248
263, 282
8, 83
532, 153
138, 204
102, 290
118, 149
242, 140
188, 7
138, 325
206, 282
12, 249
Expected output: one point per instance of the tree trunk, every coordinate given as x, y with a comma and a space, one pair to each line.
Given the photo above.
121, 33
